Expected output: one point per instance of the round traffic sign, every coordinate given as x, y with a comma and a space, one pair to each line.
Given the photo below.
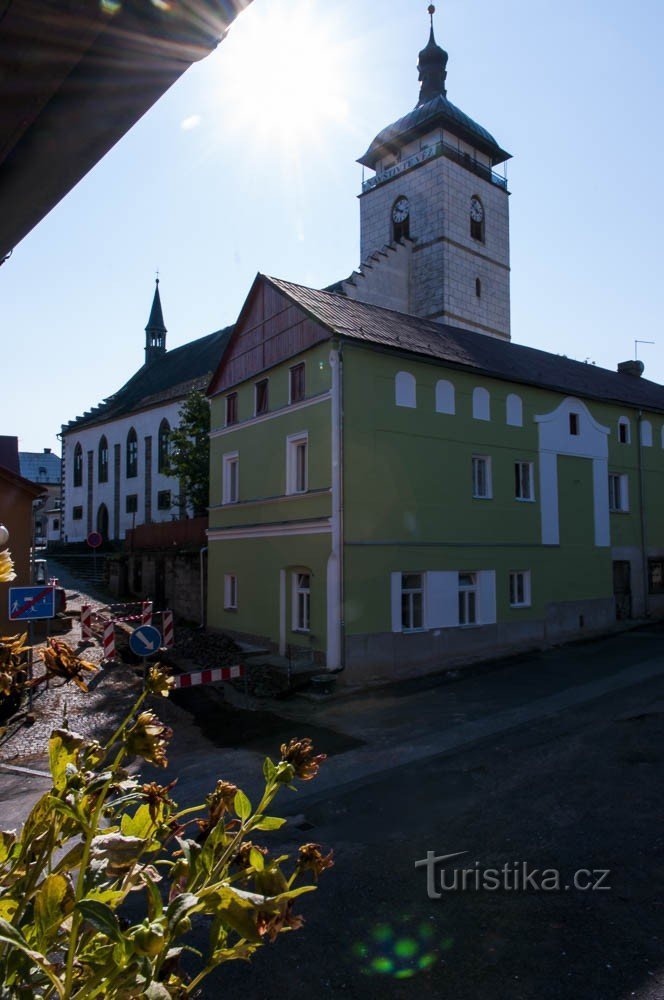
94, 539
145, 640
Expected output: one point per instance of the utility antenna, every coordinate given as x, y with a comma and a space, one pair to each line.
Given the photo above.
636, 347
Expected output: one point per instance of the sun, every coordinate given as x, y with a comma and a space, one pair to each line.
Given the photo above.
284, 74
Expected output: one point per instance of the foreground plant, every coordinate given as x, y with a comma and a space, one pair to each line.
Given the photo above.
13, 668
100, 892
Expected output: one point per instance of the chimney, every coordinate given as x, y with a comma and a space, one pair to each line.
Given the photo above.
635, 368
47, 451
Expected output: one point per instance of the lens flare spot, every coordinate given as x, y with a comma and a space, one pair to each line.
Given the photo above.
382, 933
406, 948
404, 974
382, 965
426, 961
447, 944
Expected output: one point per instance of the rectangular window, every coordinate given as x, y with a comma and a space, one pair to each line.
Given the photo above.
131, 503
261, 397
230, 592
296, 383
623, 432
231, 409
297, 461
230, 478
164, 500
481, 477
618, 492
520, 589
301, 602
524, 488
574, 424
77, 514
467, 598
656, 576
412, 601
56, 525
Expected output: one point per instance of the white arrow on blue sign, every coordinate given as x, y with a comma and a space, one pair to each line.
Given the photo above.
145, 640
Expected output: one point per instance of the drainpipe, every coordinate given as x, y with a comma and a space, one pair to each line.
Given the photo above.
642, 512
201, 558
342, 619
335, 622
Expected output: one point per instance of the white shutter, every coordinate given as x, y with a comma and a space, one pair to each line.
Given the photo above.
396, 602
442, 599
487, 587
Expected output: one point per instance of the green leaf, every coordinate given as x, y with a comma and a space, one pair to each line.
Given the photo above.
7, 841
242, 805
180, 907
155, 904
268, 823
101, 917
138, 825
63, 748
256, 859
71, 860
11, 936
269, 769
50, 906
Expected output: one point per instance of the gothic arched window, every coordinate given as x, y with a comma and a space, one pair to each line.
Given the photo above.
78, 465
162, 445
102, 461
132, 454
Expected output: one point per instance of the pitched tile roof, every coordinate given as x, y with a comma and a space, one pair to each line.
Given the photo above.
464, 349
169, 377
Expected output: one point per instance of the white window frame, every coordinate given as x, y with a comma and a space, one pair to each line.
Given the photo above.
525, 588
302, 623
409, 593
486, 459
465, 589
293, 442
230, 459
519, 493
230, 592
624, 422
618, 493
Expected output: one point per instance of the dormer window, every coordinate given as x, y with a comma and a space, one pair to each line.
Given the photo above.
400, 220
476, 219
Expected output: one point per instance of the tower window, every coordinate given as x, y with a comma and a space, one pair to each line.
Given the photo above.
476, 219
163, 446
400, 220
78, 465
478, 288
102, 461
132, 454
574, 424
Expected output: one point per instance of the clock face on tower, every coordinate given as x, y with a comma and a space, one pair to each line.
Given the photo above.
400, 210
476, 210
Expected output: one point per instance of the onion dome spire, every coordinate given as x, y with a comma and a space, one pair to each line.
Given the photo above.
155, 331
432, 67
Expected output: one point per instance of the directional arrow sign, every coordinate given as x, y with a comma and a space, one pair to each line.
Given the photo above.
145, 640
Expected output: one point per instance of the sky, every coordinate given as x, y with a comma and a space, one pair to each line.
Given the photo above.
248, 163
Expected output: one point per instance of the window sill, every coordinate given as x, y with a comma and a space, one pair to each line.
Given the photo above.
525, 499
482, 498
301, 631
613, 510
413, 631
230, 609
518, 607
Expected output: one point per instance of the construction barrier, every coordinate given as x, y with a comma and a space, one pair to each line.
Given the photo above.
86, 621
167, 628
208, 676
108, 641
146, 613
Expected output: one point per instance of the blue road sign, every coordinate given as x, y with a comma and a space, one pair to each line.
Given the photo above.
31, 603
145, 640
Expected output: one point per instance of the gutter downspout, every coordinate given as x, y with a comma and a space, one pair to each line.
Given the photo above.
335, 600
642, 512
201, 555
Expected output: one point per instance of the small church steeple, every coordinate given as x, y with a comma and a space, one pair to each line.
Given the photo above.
155, 331
432, 67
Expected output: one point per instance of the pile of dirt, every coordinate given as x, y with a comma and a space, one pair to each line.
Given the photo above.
205, 649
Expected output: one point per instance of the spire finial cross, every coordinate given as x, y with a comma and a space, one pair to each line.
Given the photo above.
157, 276
432, 11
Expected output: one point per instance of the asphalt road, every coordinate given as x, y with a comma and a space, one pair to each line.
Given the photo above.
580, 790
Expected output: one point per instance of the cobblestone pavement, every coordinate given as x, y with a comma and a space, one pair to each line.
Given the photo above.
95, 713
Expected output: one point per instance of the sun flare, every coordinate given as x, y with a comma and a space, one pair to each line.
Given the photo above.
284, 74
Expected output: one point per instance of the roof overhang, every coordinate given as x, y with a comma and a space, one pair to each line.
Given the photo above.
75, 75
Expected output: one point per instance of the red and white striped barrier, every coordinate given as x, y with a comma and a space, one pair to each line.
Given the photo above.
108, 641
146, 613
167, 628
208, 676
86, 621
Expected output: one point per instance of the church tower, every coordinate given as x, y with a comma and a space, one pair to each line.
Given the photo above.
155, 331
435, 216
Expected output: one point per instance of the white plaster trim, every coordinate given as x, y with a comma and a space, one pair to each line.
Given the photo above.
291, 408
281, 498
282, 612
271, 530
